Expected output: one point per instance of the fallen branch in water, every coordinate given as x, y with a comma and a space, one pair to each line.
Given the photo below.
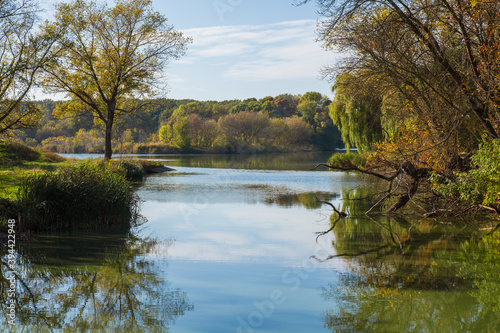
341, 214
352, 254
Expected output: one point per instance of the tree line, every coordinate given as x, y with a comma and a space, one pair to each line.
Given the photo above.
107, 61
271, 124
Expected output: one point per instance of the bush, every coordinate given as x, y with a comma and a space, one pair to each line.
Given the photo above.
348, 160
154, 148
481, 185
83, 196
134, 171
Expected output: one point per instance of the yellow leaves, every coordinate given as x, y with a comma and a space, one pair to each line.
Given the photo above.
411, 144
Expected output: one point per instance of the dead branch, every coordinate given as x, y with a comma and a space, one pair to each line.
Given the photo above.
341, 214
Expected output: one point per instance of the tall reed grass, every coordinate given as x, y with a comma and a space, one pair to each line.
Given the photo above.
88, 195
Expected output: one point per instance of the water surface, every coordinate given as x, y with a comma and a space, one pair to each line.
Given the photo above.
232, 244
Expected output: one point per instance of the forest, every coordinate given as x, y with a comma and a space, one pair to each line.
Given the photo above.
272, 124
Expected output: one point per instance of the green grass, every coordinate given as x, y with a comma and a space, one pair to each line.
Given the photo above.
55, 194
18, 161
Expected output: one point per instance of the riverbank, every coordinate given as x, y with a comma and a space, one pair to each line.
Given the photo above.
31, 180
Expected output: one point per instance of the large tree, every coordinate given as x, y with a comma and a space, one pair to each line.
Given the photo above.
436, 68
109, 61
438, 60
21, 55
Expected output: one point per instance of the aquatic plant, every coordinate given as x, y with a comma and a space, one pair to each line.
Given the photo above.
85, 195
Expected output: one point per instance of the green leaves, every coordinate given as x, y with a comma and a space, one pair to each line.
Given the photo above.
480, 185
105, 57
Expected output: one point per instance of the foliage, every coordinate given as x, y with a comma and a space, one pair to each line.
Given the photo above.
348, 160
108, 57
482, 264
133, 169
181, 136
85, 195
442, 71
481, 184
357, 113
245, 130
151, 131
419, 85
238, 132
17, 160
22, 54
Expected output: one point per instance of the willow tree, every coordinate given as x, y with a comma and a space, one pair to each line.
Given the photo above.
109, 61
357, 112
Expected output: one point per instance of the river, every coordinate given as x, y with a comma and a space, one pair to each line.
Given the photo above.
232, 243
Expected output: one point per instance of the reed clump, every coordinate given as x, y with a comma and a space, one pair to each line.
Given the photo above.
88, 195
133, 169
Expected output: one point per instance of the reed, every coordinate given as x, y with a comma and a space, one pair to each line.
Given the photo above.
134, 171
88, 195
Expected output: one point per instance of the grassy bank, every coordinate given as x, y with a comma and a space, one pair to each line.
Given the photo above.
18, 161
47, 192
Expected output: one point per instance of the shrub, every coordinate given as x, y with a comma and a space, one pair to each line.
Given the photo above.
154, 148
480, 185
133, 170
86, 195
348, 160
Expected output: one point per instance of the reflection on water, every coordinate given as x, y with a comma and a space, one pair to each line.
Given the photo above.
246, 258
89, 282
292, 161
214, 186
414, 276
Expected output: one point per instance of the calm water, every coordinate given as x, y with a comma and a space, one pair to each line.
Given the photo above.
231, 245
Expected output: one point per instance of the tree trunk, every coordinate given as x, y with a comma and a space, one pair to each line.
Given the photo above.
403, 200
108, 149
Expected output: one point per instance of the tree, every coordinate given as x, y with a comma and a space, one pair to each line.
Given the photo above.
245, 130
357, 113
109, 60
438, 60
436, 68
181, 137
21, 55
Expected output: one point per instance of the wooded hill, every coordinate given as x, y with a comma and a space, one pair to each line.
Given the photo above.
282, 123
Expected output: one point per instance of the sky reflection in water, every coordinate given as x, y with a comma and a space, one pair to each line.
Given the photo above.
242, 245
228, 247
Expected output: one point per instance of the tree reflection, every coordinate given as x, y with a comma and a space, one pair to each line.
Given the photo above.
414, 276
309, 200
289, 161
123, 291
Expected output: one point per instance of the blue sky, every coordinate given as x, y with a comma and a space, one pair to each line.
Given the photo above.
244, 48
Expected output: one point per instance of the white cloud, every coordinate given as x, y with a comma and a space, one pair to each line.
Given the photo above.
279, 51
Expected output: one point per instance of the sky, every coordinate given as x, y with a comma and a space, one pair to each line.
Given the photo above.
243, 49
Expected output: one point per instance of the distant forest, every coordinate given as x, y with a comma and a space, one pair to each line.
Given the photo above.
283, 123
